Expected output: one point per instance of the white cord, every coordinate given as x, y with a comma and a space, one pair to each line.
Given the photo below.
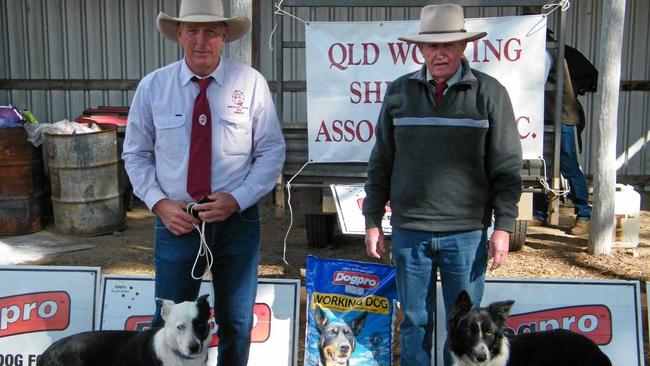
563, 4
284, 245
548, 189
280, 11
204, 249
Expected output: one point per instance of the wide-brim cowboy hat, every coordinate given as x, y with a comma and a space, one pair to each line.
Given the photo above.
442, 24
202, 11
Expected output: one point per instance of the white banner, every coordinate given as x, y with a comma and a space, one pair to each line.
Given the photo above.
349, 203
40, 305
128, 303
350, 65
607, 312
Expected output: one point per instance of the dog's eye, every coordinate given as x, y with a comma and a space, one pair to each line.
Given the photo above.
181, 327
488, 332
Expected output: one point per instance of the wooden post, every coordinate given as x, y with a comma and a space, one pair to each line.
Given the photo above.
241, 49
554, 201
604, 133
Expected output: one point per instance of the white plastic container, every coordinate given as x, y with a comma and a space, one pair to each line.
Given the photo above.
627, 215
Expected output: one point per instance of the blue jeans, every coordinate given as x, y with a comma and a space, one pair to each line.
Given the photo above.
462, 259
235, 245
570, 169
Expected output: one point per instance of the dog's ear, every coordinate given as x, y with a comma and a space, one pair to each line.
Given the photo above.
462, 306
357, 323
165, 307
320, 318
203, 306
500, 310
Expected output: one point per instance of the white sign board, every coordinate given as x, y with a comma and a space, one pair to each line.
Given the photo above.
351, 64
40, 305
128, 303
349, 202
608, 312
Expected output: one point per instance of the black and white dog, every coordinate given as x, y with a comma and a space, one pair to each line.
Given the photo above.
337, 339
477, 337
183, 341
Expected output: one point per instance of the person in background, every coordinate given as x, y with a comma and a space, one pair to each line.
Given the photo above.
573, 117
205, 129
448, 157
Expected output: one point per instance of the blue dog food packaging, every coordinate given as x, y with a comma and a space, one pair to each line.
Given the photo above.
351, 313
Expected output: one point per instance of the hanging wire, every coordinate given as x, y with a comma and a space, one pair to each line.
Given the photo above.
282, 12
284, 245
564, 5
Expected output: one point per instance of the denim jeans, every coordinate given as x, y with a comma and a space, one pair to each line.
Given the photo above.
570, 170
462, 260
235, 246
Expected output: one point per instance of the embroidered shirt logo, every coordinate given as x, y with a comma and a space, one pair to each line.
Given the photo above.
238, 102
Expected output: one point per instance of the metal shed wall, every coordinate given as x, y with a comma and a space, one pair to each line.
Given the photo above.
117, 39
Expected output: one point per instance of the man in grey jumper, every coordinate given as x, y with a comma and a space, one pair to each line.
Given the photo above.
448, 158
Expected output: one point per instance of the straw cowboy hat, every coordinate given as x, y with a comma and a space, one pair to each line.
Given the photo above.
202, 11
442, 24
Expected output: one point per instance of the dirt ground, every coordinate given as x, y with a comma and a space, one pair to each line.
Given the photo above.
549, 252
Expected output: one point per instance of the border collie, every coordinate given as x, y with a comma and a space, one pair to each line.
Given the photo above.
477, 337
337, 339
183, 341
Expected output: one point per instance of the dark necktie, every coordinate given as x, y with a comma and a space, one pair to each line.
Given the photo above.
199, 172
437, 94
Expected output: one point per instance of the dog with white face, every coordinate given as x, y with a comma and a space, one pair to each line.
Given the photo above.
478, 337
183, 341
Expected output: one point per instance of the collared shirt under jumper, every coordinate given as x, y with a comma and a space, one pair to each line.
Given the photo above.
449, 167
247, 145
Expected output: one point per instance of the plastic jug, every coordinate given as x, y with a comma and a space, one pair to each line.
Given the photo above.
627, 215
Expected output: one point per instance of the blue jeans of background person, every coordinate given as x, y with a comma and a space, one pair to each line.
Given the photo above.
462, 260
235, 247
570, 170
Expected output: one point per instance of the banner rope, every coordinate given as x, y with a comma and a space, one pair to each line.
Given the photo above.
284, 244
564, 5
282, 12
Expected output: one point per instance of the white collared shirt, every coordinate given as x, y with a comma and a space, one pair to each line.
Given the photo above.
247, 144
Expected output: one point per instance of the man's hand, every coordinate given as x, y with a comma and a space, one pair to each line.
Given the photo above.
374, 242
498, 248
222, 205
174, 216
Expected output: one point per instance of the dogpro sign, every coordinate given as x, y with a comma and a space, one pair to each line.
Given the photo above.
351, 313
40, 305
607, 312
128, 302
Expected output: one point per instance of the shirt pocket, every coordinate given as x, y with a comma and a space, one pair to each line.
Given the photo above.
171, 137
237, 136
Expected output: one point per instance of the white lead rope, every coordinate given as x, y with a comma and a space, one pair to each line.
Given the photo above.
204, 250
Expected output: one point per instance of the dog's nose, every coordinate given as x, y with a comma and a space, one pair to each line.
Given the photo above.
480, 357
344, 348
195, 347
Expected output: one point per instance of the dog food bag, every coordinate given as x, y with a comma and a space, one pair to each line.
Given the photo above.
351, 313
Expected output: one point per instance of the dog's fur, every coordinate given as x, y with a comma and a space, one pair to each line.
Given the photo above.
183, 341
337, 339
477, 337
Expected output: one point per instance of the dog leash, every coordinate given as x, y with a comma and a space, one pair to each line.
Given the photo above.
204, 250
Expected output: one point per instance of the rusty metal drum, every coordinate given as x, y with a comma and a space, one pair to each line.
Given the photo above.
21, 184
84, 182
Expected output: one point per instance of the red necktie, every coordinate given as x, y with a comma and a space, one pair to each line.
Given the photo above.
199, 172
437, 94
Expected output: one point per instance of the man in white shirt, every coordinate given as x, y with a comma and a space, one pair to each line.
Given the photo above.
205, 129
